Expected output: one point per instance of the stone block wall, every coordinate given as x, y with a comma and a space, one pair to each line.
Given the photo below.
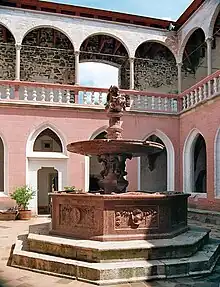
47, 56
7, 55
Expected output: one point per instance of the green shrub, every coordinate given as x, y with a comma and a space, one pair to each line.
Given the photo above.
22, 195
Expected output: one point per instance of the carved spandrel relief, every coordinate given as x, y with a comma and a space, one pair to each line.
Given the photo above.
134, 218
71, 216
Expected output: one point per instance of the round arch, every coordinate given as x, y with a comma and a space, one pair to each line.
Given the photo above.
48, 26
213, 20
184, 42
170, 159
217, 163
32, 137
106, 34
158, 42
6, 27
188, 160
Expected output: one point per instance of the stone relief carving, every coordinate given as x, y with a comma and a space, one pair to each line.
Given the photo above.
136, 218
71, 216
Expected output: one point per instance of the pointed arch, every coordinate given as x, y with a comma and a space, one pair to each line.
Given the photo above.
4, 165
217, 163
170, 159
87, 158
33, 136
188, 160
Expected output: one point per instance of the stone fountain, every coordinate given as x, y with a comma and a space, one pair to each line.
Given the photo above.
117, 236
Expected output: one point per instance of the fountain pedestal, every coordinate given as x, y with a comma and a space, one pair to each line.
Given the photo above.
129, 216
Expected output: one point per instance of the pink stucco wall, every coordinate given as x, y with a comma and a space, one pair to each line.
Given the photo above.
205, 118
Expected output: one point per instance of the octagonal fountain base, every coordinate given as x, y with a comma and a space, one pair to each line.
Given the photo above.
128, 216
110, 239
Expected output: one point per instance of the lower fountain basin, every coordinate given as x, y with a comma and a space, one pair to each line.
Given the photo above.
128, 216
107, 146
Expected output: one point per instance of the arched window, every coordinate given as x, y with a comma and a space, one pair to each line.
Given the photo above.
48, 141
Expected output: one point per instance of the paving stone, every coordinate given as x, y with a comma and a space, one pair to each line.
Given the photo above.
64, 281
25, 285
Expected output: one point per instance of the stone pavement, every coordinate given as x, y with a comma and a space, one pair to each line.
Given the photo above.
14, 277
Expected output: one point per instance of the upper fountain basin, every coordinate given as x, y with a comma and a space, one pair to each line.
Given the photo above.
135, 148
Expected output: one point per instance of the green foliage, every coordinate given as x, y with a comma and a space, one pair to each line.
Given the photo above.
22, 195
69, 188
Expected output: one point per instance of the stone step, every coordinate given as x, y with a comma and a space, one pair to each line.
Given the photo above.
183, 245
202, 262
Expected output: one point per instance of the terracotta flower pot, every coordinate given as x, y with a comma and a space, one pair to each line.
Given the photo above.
24, 214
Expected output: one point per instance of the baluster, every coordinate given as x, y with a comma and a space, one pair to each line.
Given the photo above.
51, 96
93, 98
146, 102
84, 98
196, 96
25, 94
8, 93
184, 102
100, 99
218, 83
187, 101
34, 95
139, 102
204, 91
67, 96
209, 88
191, 98
165, 104
43, 96
59, 96
152, 102
200, 94
215, 86
159, 103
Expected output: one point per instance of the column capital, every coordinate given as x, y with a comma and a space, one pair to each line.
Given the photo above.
209, 39
18, 46
76, 53
131, 59
179, 64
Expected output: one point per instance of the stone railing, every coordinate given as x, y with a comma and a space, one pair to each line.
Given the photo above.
203, 90
69, 95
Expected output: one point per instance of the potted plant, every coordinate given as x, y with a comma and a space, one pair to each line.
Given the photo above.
22, 195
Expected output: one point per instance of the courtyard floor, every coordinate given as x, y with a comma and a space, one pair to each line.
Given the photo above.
14, 277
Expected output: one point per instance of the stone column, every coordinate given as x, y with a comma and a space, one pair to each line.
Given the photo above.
18, 61
179, 70
77, 67
131, 60
209, 55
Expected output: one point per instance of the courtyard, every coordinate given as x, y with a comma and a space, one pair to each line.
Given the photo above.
13, 277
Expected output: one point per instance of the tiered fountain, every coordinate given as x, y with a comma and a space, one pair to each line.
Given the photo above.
117, 236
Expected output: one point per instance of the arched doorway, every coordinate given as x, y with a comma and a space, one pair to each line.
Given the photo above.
7, 54
194, 60
47, 55
155, 68
46, 166
109, 51
217, 164
47, 182
195, 163
95, 167
153, 171
2, 166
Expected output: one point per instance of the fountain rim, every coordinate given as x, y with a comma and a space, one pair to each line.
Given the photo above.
114, 143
